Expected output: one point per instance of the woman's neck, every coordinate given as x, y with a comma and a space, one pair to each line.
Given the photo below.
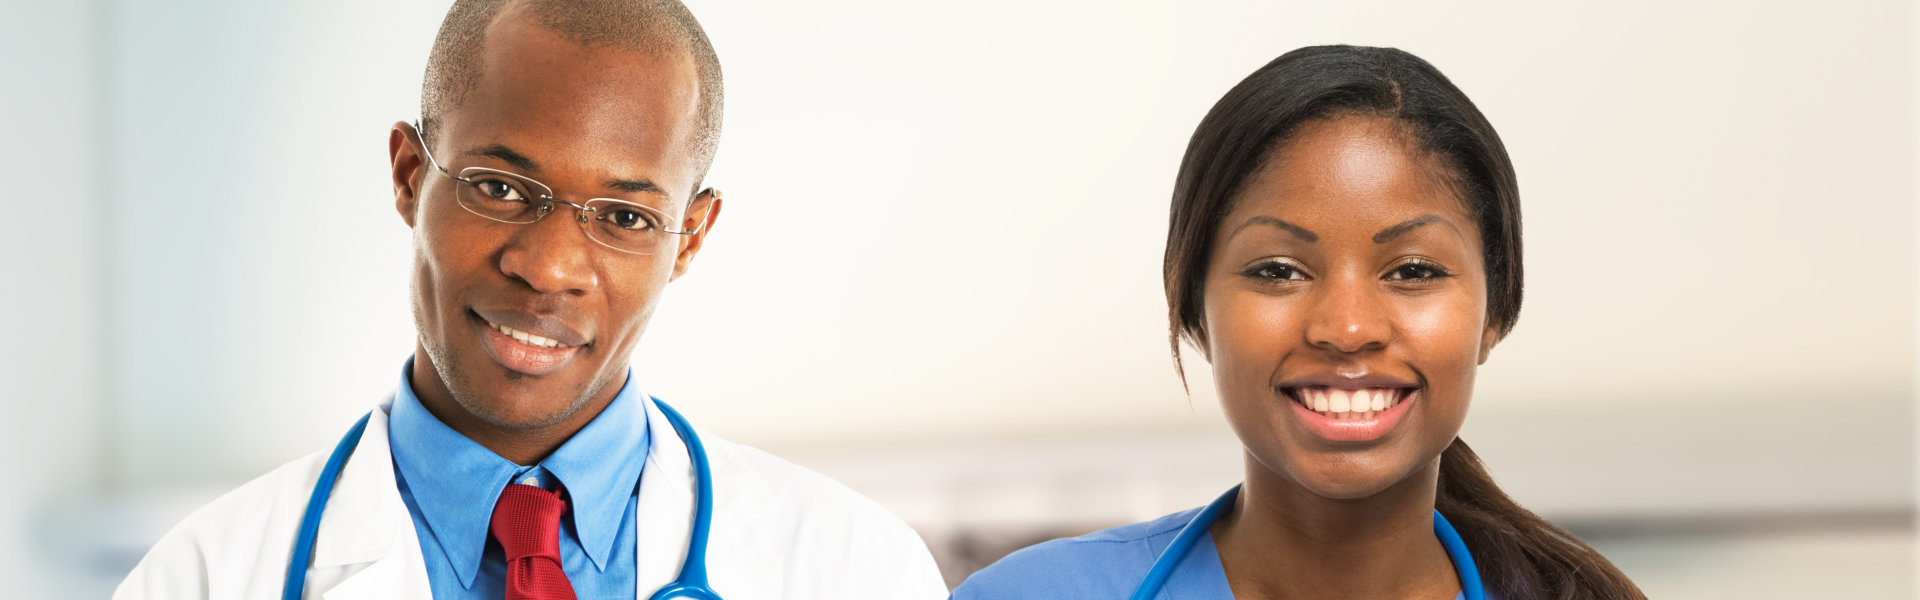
1282, 541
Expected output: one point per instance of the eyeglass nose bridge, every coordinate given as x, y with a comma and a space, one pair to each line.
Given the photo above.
579, 210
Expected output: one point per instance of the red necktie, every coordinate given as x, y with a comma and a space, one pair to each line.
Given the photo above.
526, 520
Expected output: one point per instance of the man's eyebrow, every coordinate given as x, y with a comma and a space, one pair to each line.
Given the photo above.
635, 185
1389, 233
507, 155
1296, 230
521, 162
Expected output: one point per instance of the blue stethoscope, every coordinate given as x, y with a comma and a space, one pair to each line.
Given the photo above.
691, 583
1190, 535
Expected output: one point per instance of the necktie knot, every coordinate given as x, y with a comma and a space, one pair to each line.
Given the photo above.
526, 521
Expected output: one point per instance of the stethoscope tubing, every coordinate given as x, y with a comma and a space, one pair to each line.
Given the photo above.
1183, 543
316, 504
690, 583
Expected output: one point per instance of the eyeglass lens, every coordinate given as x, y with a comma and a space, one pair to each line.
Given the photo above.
509, 198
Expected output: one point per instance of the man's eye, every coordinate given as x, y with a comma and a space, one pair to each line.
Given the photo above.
631, 219
498, 190
1418, 271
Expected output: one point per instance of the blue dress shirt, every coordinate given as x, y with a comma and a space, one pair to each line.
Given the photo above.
1104, 565
450, 483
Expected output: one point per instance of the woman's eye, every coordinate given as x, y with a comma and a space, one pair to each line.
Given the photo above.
1275, 271
1418, 271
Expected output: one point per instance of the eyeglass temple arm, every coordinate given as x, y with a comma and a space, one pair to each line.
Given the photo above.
713, 191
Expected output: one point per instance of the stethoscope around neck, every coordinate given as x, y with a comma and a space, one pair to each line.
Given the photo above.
691, 583
1183, 543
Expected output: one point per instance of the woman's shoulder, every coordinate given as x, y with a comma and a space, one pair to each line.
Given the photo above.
1107, 563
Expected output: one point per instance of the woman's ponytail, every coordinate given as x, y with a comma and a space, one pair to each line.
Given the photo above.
1521, 556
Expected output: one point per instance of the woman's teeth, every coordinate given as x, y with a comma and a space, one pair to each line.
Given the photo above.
1342, 404
524, 337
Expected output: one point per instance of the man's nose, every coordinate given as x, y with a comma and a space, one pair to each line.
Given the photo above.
1349, 316
553, 255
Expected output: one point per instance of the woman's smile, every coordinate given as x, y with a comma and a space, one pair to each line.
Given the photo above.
1343, 415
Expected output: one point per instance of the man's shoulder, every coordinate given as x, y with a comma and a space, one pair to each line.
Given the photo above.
799, 489
263, 500
226, 535
817, 529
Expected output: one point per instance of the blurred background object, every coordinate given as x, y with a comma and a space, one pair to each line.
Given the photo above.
937, 278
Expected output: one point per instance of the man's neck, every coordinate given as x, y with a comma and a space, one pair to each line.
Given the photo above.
525, 446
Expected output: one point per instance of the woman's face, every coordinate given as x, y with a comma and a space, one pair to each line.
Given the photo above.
1345, 307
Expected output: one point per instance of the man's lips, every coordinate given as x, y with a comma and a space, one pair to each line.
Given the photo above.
522, 352
551, 330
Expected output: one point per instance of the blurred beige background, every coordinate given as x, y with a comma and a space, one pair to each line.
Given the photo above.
938, 274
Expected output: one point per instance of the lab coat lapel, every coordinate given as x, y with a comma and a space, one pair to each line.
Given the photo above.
366, 547
740, 564
663, 520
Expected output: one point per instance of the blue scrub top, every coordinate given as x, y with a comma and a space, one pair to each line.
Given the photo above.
1104, 565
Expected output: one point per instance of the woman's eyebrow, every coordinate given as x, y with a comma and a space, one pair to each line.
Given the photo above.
1389, 233
1296, 230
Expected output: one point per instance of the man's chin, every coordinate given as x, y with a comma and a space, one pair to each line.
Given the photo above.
521, 413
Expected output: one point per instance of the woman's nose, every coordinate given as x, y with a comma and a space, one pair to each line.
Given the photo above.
1349, 317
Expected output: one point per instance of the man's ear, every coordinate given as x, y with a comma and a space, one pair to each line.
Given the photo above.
406, 162
702, 213
1488, 338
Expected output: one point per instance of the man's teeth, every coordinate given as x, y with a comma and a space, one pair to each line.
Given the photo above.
524, 337
1348, 404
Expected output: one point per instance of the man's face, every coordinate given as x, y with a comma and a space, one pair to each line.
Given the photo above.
589, 122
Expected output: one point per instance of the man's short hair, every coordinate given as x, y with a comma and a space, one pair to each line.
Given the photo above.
657, 27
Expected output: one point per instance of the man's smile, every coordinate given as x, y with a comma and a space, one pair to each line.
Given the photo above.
526, 337
543, 347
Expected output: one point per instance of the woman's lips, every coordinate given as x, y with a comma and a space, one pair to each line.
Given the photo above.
521, 351
1350, 415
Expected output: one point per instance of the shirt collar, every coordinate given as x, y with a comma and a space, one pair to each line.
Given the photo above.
455, 481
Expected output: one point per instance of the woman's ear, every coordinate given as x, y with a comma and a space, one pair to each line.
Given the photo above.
1488, 338
1198, 339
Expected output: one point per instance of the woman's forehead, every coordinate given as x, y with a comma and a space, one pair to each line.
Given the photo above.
1353, 171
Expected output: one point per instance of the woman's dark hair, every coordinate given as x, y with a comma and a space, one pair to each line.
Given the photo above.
1520, 555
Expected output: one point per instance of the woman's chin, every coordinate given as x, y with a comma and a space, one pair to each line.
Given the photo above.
1347, 488
1349, 478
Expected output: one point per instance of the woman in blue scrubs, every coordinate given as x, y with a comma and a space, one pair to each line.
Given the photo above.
1344, 251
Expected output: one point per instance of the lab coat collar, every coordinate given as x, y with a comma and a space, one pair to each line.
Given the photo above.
366, 531
746, 505
664, 522
365, 514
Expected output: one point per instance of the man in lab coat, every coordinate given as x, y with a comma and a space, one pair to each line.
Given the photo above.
554, 189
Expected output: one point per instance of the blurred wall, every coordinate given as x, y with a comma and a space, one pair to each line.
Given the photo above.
51, 375
938, 275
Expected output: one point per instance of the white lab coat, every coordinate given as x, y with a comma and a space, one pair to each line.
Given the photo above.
779, 531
